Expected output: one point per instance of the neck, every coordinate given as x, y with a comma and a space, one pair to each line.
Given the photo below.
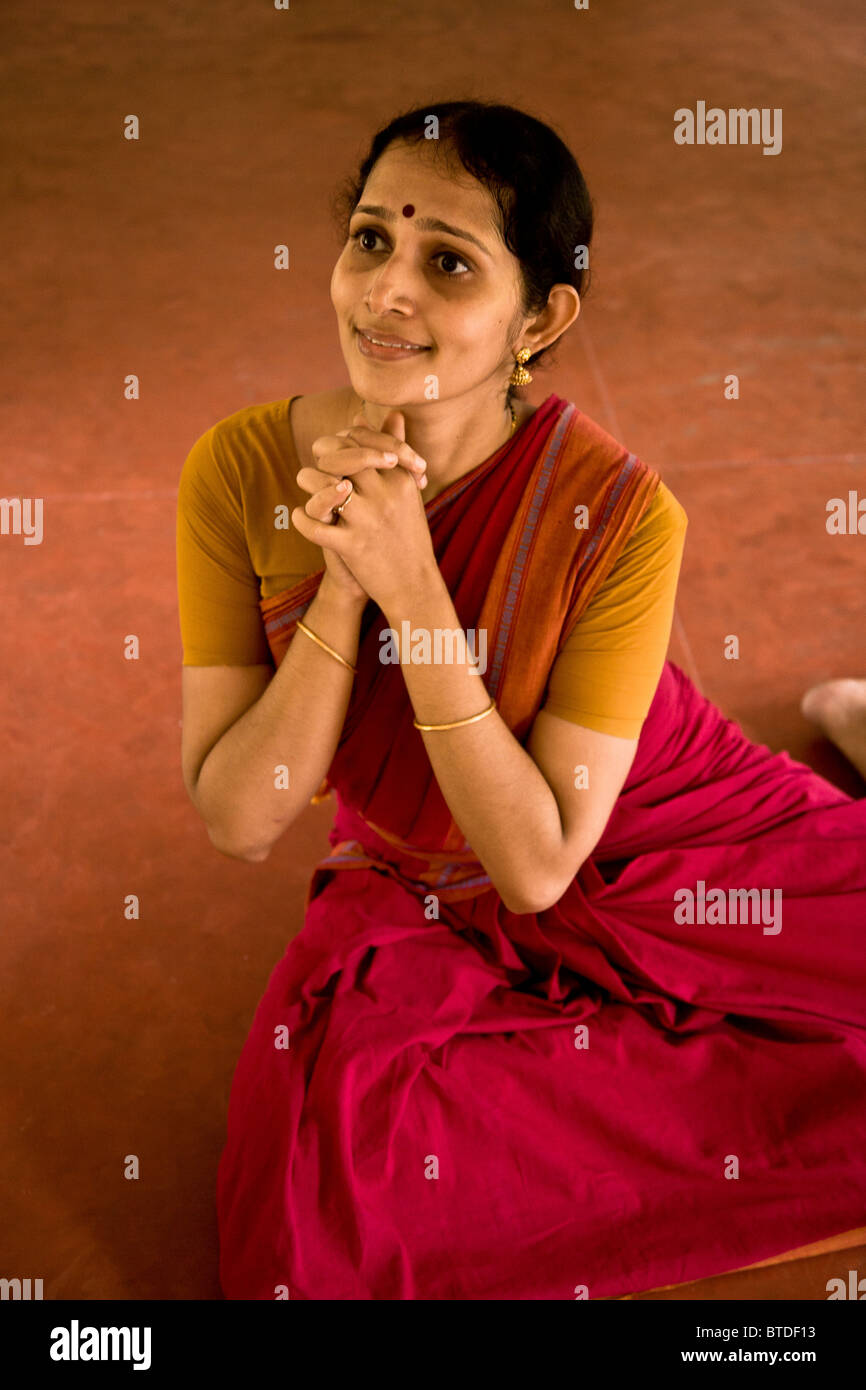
451, 436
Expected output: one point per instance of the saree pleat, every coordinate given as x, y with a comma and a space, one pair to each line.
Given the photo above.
442, 1099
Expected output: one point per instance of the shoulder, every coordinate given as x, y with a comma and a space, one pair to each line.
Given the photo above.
255, 446
665, 514
658, 539
240, 436
231, 463
597, 453
653, 552
230, 439
285, 427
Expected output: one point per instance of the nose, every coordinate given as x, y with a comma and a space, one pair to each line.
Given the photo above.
392, 285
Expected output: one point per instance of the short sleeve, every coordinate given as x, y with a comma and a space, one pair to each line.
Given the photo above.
218, 590
607, 673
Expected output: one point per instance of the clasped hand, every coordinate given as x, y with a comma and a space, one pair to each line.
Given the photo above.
380, 546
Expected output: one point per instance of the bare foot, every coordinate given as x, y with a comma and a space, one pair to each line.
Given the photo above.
838, 707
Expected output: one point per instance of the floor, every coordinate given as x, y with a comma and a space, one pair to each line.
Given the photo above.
154, 258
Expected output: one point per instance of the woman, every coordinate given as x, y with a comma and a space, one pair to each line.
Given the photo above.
577, 1008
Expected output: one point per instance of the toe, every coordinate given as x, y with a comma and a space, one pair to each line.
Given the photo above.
831, 703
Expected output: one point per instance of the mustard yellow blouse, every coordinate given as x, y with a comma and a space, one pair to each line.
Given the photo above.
230, 554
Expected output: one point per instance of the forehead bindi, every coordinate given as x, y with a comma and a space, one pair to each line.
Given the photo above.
424, 224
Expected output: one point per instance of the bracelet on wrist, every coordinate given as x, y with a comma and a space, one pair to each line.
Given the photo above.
302, 627
456, 723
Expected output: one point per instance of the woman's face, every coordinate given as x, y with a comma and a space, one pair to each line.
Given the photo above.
455, 297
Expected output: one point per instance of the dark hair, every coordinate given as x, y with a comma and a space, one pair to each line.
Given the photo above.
544, 204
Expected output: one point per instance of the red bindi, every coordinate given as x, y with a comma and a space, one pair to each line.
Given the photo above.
408, 210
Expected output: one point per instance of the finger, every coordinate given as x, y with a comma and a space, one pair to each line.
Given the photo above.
321, 505
313, 479
349, 462
334, 456
382, 439
324, 534
379, 439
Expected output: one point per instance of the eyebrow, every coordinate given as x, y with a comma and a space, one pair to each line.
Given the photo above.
426, 224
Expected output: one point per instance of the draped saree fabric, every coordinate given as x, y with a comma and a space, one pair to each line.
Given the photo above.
660, 1078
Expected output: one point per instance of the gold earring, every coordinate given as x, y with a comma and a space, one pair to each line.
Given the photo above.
520, 376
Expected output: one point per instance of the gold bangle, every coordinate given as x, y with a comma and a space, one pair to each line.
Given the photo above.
457, 722
342, 660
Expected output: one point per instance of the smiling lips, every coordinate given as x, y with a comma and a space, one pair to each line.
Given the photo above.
388, 343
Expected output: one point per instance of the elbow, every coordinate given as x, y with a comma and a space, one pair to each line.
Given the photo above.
536, 899
253, 855
220, 836
540, 895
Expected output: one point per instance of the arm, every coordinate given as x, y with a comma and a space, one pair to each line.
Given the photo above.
535, 824
296, 721
520, 811
240, 719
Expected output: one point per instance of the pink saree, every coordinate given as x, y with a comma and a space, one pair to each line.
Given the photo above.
661, 1078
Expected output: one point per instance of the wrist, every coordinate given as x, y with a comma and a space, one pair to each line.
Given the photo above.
332, 594
427, 590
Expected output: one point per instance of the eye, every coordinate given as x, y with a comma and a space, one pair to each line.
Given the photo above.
452, 255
